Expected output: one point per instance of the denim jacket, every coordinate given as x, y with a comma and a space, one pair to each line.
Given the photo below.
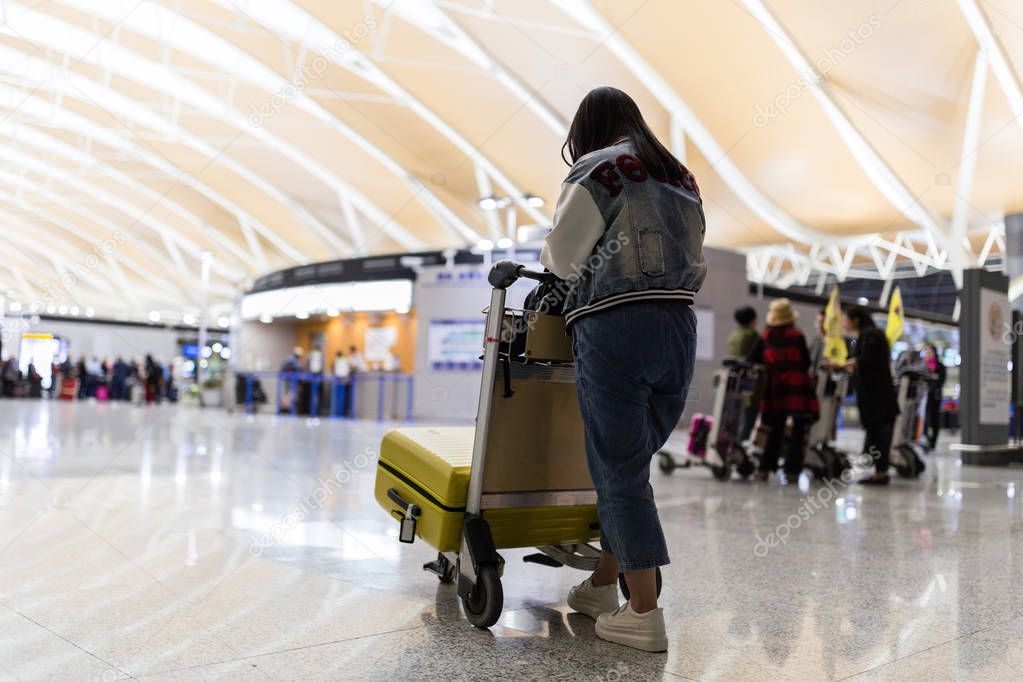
621, 235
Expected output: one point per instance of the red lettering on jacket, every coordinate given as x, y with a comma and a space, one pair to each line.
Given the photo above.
633, 168
605, 174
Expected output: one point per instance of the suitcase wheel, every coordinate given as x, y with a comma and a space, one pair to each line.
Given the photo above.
667, 463
722, 473
483, 604
624, 586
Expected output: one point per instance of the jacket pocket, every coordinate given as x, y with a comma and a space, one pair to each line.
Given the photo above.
651, 252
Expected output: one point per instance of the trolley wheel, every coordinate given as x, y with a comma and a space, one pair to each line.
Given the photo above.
722, 473
624, 586
746, 468
910, 469
667, 463
485, 601
839, 466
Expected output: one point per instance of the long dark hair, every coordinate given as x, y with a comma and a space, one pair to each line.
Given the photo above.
861, 316
606, 115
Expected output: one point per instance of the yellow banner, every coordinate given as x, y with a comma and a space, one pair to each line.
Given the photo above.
835, 349
895, 320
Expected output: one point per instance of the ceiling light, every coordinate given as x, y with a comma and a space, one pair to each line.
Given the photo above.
62, 310
154, 316
485, 245
89, 312
74, 310
188, 318
534, 201
266, 318
15, 306
223, 321
505, 243
51, 309
302, 315
217, 347
488, 203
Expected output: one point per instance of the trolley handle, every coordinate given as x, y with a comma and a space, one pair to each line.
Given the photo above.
506, 273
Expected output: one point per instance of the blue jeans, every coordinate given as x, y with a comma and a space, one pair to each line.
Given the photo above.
633, 366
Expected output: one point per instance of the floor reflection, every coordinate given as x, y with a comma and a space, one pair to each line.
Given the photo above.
167, 541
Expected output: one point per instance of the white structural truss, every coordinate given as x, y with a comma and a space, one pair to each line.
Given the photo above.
135, 117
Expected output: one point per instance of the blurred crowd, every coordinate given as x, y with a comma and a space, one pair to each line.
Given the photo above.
787, 394
138, 380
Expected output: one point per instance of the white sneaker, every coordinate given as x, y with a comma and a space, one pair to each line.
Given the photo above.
593, 601
643, 631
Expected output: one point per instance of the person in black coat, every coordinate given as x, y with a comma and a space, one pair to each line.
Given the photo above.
875, 390
932, 419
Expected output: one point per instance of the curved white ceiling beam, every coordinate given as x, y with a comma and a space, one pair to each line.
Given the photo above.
996, 57
772, 214
292, 22
44, 142
133, 214
44, 29
959, 248
147, 273
429, 17
30, 237
174, 29
88, 91
885, 179
152, 288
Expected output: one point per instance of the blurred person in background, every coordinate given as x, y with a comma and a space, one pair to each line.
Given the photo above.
153, 379
356, 360
342, 377
745, 343
93, 376
874, 387
293, 363
82, 376
932, 413
118, 378
818, 342
789, 391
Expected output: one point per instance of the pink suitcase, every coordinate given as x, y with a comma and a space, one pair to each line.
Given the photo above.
102, 393
699, 429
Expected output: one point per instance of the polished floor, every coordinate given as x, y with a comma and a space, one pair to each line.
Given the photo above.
163, 543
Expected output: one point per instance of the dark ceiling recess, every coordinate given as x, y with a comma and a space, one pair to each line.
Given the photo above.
931, 297
375, 268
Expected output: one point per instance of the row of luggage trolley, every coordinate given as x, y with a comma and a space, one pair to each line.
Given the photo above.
518, 479
714, 439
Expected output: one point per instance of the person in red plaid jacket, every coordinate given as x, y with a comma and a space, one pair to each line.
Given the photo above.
789, 391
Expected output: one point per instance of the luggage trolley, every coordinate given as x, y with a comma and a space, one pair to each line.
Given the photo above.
519, 479
822, 457
906, 454
714, 441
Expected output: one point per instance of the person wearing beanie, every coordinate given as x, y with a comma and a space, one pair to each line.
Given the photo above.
789, 391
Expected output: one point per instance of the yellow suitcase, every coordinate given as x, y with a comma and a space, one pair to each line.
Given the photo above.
429, 467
